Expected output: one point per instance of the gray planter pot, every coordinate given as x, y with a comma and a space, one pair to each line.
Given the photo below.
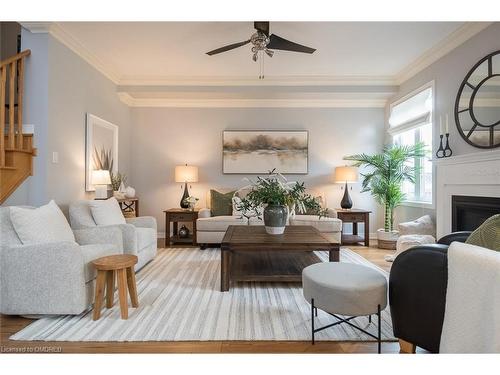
275, 218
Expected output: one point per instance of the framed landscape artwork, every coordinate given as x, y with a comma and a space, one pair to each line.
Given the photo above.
101, 147
258, 152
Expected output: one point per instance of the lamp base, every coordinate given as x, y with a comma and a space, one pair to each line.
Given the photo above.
101, 191
346, 202
184, 196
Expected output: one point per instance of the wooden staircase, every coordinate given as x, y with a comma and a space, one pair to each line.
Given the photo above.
16, 148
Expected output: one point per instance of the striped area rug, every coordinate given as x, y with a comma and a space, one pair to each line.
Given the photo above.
180, 300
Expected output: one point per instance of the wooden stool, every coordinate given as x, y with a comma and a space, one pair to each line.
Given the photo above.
123, 266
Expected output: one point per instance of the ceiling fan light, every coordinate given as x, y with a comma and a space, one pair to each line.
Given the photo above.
255, 55
269, 52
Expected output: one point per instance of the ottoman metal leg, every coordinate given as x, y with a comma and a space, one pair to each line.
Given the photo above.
379, 330
347, 321
312, 320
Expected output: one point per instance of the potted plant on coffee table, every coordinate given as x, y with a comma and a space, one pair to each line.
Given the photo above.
277, 196
385, 175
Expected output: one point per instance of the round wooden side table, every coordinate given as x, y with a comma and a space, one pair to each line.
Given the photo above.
123, 266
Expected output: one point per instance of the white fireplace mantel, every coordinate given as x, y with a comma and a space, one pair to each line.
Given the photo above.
476, 174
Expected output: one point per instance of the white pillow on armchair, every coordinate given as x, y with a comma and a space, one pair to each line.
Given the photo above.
107, 212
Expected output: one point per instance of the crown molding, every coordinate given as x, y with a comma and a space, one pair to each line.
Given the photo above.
250, 103
54, 29
254, 81
430, 56
452, 41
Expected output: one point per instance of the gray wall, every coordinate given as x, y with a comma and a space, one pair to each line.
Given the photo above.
448, 73
163, 138
60, 89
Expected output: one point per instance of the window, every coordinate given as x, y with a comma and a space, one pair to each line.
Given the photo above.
410, 122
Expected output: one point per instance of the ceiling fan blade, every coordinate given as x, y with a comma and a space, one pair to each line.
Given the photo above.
228, 47
277, 42
262, 26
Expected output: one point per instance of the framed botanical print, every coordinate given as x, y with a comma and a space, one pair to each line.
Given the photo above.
101, 147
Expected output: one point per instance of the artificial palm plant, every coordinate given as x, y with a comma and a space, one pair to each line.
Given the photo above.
386, 173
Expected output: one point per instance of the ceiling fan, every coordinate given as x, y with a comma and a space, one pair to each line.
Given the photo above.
263, 42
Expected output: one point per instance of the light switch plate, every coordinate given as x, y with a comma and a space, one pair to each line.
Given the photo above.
55, 157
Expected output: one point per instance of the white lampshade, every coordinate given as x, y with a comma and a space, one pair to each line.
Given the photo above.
186, 173
346, 174
100, 177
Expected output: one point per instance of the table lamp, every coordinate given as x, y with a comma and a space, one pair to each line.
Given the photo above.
100, 178
346, 175
184, 174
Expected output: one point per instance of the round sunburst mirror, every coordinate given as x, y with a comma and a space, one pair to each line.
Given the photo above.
477, 107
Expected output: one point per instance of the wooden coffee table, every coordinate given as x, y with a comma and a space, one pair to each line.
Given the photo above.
248, 253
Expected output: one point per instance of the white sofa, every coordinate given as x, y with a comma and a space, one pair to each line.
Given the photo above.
51, 278
139, 234
210, 229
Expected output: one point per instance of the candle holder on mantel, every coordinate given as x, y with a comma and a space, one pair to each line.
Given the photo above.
444, 152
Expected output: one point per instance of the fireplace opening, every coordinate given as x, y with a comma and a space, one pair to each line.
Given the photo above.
469, 212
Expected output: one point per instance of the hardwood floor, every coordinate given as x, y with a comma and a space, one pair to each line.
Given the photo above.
12, 324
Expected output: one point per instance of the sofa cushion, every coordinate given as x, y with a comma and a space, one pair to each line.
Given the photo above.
8, 235
92, 252
221, 204
145, 237
41, 225
107, 212
323, 224
422, 225
487, 235
219, 223
80, 216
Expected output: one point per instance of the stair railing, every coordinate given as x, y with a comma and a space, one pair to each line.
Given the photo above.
11, 88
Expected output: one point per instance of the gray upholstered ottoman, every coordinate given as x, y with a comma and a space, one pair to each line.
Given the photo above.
344, 289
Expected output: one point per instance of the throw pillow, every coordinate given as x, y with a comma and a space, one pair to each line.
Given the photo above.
487, 235
41, 225
107, 212
422, 225
221, 204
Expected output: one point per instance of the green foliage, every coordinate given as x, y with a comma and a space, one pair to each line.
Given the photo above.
386, 173
117, 179
276, 190
103, 159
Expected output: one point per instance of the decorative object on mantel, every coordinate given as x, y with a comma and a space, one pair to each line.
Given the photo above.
184, 174
476, 115
277, 195
388, 171
444, 152
101, 179
346, 175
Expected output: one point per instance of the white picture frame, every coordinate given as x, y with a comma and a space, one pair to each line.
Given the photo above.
100, 136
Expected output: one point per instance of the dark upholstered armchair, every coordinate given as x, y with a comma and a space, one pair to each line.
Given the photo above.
417, 293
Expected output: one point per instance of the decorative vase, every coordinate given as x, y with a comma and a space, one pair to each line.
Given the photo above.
130, 192
183, 232
275, 218
387, 240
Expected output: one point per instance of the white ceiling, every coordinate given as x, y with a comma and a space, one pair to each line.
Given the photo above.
140, 50
356, 64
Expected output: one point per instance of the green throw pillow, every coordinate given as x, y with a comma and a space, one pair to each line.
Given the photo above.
221, 204
487, 235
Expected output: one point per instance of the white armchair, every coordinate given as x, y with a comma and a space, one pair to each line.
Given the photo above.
50, 278
139, 234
